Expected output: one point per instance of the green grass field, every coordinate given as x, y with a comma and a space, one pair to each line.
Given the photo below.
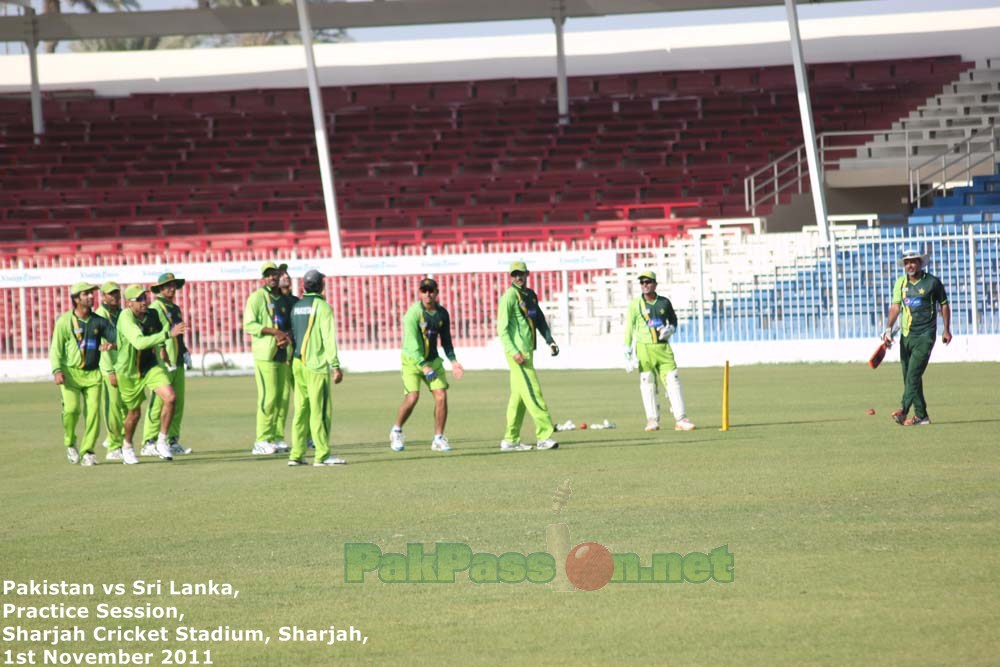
856, 542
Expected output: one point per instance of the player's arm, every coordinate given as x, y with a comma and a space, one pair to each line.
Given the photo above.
543, 327
630, 318
168, 350
945, 314
57, 350
504, 310
895, 308
446, 344
671, 315
133, 334
413, 348
328, 329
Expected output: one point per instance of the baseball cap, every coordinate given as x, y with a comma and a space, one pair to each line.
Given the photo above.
79, 288
109, 287
518, 266
133, 292
428, 285
164, 280
647, 275
271, 266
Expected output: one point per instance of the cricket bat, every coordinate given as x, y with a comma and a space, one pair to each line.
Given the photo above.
879, 355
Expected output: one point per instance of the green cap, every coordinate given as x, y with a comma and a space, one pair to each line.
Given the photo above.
518, 266
133, 292
109, 287
79, 288
164, 280
271, 266
647, 275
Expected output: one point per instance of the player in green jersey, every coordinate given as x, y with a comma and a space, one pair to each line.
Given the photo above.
178, 359
315, 359
139, 366
519, 319
114, 409
650, 323
74, 356
262, 320
916, 296
424, 323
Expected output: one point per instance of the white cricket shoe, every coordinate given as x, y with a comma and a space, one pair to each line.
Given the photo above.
508, 446
163, 450
114, 455
683, 424
296, 462
72, 455
652, 425
329, 461
176, 448
397, 442
548, 443
263, 447
149, 448
440, 444
281, 447
89, 459
128, 455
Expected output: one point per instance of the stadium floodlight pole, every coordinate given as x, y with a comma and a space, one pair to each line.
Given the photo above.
808, 130
319, 123
562, 89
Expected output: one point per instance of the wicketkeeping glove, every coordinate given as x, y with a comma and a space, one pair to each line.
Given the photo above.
630, 362
555, 349
666, 331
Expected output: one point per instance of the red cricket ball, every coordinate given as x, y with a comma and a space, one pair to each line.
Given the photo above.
589, 566
871, 411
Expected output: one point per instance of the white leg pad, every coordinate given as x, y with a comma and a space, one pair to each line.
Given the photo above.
647, 387
675, 395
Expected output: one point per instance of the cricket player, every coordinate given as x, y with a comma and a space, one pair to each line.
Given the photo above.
315, 358
266, 323
74, 356
423, 324
519, 319
139, 367
178, 359
286, 300
114, 409
916, 296
650, 323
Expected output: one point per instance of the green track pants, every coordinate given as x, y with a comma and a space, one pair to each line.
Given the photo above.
312, 412
114, 415
526, 395
81, 393
915, 354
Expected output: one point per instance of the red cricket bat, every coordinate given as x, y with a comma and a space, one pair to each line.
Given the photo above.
879, 355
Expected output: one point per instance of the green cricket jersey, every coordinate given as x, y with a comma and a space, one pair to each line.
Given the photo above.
314, 333
919, 301
138, 344
76, 342
421, 331
169, 315
108, 357
262, 312
518, 320
644, 318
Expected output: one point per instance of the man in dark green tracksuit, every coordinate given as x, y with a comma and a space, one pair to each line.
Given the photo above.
283, 315
518, 320
315, 358
114, 409
74, 357
916, 296
165, 307
269, 343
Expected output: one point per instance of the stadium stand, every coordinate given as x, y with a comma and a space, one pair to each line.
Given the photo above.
645, 156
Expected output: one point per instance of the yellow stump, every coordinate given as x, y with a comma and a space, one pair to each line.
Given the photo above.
725, 398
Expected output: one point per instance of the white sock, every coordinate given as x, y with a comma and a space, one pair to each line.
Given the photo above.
647, 387
675, 396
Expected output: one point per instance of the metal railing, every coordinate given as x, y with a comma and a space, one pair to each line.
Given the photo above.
791, 170
948, 165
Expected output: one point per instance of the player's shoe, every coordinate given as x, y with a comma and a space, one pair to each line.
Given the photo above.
89, 459
128, 455
508, 446
149, 448
163, 450
177, 448
72, 455
296, 462
397, 442
263, 447
683, 424
281, 447
548, 443
652, 425
114, 455
440, 444
917, 421
329, 461
899, 416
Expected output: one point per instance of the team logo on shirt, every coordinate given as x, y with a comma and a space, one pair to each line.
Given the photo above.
913, 302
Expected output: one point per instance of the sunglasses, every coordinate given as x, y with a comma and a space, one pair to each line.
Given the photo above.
518, 274
647, 282
428, 290
141, 299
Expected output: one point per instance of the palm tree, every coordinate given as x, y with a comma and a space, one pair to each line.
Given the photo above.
92, 6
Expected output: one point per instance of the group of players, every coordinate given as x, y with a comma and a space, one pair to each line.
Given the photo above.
110, 356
